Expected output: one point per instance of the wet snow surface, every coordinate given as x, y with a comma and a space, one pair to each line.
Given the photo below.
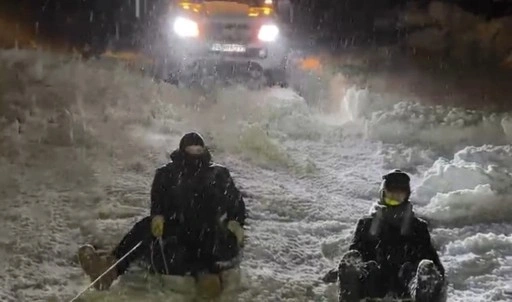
80, 141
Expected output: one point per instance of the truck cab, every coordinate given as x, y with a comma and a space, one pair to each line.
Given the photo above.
205, 36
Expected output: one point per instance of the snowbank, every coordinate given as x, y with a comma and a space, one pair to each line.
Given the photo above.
413, 159
474, 186
471, 196
442, 128
438, 126
481, 262
478, 205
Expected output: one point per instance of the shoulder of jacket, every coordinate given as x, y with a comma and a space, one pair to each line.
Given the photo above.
219, 169
165, 168
420, 225
364, 221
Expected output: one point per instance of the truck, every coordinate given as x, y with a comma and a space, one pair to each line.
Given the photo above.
223, 40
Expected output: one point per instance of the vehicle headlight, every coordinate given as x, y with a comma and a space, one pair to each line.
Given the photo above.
268, 33
184, 27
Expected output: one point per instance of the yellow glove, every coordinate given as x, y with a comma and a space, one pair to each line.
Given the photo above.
237, 229
157, 226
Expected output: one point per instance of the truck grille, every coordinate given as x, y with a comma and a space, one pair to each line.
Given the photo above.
229, 32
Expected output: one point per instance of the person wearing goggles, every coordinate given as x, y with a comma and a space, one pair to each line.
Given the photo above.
391, 253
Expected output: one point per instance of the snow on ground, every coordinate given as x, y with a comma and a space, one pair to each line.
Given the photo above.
80, 141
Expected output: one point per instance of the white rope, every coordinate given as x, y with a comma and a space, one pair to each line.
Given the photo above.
161, 242
108, 270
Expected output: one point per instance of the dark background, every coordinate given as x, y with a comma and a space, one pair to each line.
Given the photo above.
98, 24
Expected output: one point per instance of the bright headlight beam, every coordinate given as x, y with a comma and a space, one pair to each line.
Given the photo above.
184, 27
268, 33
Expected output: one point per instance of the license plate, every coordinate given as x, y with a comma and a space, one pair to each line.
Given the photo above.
228, 47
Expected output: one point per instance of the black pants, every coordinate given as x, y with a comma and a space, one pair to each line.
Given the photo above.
184, 250
376, 283
358, 279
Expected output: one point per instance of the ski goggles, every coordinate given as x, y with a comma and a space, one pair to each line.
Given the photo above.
392, 202
394, 198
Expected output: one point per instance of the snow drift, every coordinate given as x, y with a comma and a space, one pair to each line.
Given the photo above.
444, 128
474, 186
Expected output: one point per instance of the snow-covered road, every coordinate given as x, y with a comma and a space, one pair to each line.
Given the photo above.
79, 143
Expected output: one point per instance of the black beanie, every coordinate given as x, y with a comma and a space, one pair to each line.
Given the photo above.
191, 139
396, 179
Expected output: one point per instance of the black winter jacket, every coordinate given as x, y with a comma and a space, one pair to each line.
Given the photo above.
196, 196
386, 243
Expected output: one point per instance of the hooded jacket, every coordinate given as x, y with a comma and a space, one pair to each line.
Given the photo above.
392, 236
195, 194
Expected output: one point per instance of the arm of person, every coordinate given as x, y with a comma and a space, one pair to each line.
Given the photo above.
427, 249
357, 244
235, 204
158, 193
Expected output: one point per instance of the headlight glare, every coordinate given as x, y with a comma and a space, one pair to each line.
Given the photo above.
268, 33
185, 28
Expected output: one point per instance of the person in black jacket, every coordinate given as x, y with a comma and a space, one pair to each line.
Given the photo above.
195, 226
391, 251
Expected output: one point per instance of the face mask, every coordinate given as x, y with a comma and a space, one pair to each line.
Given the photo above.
194, 150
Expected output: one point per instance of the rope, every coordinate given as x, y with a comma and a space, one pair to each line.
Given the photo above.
105, 272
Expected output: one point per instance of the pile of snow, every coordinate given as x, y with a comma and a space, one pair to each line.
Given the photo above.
405, 122
474, 186
437, 126
413, 159
481, 262
471, 199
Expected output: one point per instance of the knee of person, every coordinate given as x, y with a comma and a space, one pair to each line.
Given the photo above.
426, 266
350, 262
427, 263
371, 266
352, 256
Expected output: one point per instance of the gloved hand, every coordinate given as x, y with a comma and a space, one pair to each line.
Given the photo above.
237, 230
157, 226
